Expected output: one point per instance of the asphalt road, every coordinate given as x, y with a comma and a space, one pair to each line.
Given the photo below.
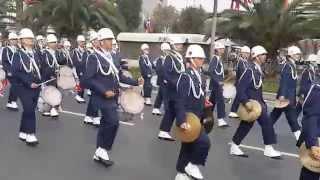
67, 146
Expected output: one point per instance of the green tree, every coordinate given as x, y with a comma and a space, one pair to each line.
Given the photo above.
191, 20
71, 17
164, 18
271, 24
130, 10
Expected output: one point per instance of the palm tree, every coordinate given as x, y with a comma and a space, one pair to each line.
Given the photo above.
71, 17
271, 24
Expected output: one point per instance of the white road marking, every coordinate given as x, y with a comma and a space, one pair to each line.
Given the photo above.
261, 149
83, 115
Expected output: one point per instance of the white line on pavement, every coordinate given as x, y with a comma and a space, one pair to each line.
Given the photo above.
83, 115
261, 149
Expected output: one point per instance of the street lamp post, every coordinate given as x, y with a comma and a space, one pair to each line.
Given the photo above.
214, 26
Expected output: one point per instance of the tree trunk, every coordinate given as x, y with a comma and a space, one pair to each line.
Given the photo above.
214, 27
19, 11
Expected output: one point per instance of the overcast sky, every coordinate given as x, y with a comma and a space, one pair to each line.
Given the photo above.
206, 4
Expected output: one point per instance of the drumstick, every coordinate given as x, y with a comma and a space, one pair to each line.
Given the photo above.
46, 81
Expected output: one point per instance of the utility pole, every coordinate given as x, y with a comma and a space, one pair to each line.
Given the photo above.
214, 27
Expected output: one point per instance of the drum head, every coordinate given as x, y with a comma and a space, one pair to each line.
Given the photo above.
126, 74
43, 106
66, 78
131, 101
51, 95
2, 74
154, 80
229, 91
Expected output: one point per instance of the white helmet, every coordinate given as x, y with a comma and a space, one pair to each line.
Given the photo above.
51, 38
245, 49
292, 50
165, 46
105, 33
39, 37
93, 36
12, 35
195, 51
26, 33
144, 46
66, 43
218, 45
177, 40
81, 38
312, 58
258, 50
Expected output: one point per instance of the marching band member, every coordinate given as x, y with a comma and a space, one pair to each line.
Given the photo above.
92, 116
172, 68
308, 77
67, 56
192, 99
52, 59
79, 64
146, 72
287, 91
102, 77
216, 72
242, 65
7, 56
311, 129
250, 87
159, 70
40, 43
26, 69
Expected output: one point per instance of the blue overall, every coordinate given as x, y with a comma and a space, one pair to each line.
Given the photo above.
311, 126
160, 83
287, 89
79, 64
241, 66
192, 95
250, 87
92, 108
98, 79
146, 72
307, 78
7, 57
217, 75
172, 68
26, 73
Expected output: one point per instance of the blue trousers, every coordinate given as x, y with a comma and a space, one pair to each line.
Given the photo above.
299, 109
13, 96
195, 152
109, 122
159, 98
306, 174
216, 97
291, 115
147, 88
266, 124
29, 99
92, 108
172, 111
235, 105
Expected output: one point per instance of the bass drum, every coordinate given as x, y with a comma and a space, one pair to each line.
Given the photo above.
51, 95
66, 78
229, 91
131, 101
2, 74
154, 80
